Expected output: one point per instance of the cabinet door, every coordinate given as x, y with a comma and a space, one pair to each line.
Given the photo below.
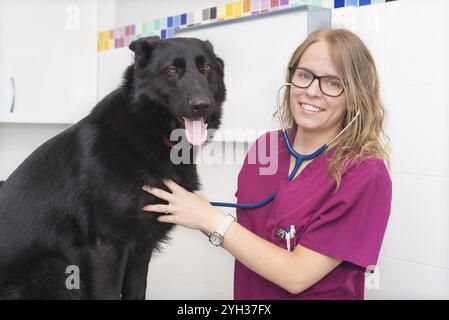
48, 60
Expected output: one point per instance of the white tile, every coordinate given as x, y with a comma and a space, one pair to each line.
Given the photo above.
190, 256
369, 23
111, 67
169, 287
417, 122
418, 229
343, 17
219, 180
416, 42
404, 280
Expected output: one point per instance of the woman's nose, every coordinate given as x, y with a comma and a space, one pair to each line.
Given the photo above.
314, 89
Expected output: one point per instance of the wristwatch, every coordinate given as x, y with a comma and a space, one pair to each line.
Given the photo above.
216, 238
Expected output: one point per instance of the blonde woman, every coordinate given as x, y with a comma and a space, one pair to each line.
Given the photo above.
338, 203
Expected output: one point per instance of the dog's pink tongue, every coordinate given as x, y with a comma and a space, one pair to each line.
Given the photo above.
196, 131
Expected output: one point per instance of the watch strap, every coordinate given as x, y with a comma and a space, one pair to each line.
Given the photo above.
228, 220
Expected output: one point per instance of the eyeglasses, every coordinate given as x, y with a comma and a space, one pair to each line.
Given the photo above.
330, 86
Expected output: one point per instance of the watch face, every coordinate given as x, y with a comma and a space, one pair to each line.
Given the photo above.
215, 239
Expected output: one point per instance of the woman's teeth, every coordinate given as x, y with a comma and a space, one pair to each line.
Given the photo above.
311, 108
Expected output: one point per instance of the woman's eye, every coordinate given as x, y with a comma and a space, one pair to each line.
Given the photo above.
171, 70
206, 67
305, 76
333, 83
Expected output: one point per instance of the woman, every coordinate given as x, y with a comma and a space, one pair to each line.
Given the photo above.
338, 203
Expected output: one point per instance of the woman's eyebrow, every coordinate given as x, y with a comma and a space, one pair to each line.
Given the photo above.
327, 75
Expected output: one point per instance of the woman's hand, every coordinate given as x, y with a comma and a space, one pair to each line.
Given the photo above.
185, 208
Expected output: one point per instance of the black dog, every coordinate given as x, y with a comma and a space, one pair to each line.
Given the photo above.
77, 199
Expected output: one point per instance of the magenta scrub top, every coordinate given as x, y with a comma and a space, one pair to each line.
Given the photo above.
349, 225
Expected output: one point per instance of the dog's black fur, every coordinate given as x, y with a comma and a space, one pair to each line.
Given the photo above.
77, 199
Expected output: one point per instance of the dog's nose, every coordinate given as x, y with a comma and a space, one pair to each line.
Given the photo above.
199, 106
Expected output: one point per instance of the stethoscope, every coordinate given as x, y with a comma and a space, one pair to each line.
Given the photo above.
299, 158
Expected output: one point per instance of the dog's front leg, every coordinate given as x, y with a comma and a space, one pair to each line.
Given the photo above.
106, 264
135, 281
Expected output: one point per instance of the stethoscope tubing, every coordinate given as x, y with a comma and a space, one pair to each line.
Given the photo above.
299, 158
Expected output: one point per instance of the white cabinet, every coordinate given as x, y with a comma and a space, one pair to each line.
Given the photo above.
48, 60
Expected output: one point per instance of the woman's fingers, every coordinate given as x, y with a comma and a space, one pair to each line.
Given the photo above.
167, 219
161, 208
162, 194
173, 186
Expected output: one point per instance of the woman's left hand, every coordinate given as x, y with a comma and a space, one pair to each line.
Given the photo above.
184, 208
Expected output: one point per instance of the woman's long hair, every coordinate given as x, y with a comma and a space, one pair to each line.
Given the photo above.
354, 63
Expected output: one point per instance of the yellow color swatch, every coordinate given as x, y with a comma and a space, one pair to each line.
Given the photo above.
238, 9
229, 10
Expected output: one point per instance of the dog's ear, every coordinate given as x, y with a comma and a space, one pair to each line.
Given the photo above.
209, 44
219, 60
142, 47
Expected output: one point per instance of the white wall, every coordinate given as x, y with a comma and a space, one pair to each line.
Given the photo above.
409, 42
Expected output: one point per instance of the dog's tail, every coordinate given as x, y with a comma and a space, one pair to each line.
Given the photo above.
45, 280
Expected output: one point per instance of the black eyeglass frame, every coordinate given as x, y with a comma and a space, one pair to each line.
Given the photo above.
293, 69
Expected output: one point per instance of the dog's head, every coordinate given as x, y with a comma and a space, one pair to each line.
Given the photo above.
183, 78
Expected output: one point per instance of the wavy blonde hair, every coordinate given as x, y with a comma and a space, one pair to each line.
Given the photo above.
355, 65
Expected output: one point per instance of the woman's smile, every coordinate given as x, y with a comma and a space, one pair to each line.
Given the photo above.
310, 108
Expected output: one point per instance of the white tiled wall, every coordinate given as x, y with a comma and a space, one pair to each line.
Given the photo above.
409, 40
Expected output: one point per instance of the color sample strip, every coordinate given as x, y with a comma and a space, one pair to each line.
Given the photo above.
238, 9
170, 33
206, 14
295, 3
166, 27
183, 19
221, 12
255, 7
246, 7
176, 21
190, 19
229, 11
327, 4
157, 24
197, 17
264, 6
213, 13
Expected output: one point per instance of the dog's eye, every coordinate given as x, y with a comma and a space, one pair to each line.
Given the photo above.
171, 70
206, 67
